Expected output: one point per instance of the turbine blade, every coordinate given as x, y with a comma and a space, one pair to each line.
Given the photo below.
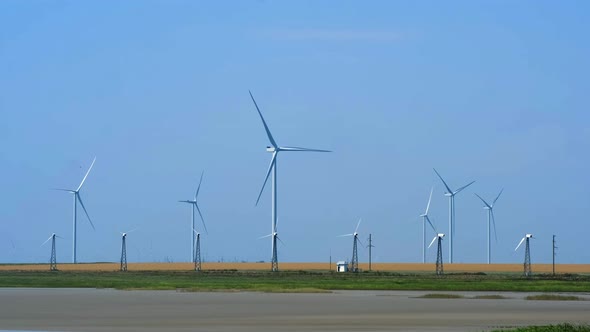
357, 225
46, 241
85, 176
494, 202
199, 187
84, 208
344, 235
494, 223
443, 181
519, 243
294, 148
465, 186
283, 243
429, 199
60, 189
59, 236
484, 202
270, 138
430, 245
272, 164
202, 220
430, 223
190, 202
263, 237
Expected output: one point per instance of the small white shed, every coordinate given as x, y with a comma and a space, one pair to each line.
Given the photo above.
341, 266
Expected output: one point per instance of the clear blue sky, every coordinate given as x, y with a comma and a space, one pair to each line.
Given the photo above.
492, 91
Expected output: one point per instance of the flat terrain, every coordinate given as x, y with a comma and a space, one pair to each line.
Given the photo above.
390, 267
108, 310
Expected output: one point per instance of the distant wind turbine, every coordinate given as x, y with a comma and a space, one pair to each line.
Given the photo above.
355, 239
195, 205
527, 254
124, 249
451, 195
275, 149
53, 259
77, 199
490, 208
426, 219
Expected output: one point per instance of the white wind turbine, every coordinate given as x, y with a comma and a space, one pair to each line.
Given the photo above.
195, 205
77, 199
426, 219
275, 149
490, 208
451, 195
355, 239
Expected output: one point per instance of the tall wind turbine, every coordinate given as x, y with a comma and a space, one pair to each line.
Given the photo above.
275, 149
451, 195
426, 219
355, 239
490, 208
53, 259
195, 205
527, 254
77, 199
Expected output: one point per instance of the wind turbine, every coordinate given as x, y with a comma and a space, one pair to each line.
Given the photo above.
275, 149
527, 254
439, 260
490, 208
52, 260
451, 195
355, 240
426, 219
195, 205
124, 250
77, 199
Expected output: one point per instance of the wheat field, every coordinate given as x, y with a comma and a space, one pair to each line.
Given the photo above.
389, 267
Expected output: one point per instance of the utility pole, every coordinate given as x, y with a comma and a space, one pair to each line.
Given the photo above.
330, 268
554, 247
370, 246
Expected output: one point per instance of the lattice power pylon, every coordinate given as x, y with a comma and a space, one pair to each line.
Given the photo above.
274, 262
355, 257
439, 258
198, 252
527, 259
123, 253
53, 259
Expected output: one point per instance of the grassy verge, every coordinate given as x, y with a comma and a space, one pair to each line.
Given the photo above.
549, 328
490, 297
291, 281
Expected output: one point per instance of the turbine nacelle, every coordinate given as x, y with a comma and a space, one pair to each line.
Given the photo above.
271, 149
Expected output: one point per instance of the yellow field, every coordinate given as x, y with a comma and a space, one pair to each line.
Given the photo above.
391, 267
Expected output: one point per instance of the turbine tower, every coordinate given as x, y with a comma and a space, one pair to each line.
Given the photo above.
439, 259
490, 208
527, 254
426, 219
355, 239
53, 259
275, 149
451, 195
195, 205
77, 199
